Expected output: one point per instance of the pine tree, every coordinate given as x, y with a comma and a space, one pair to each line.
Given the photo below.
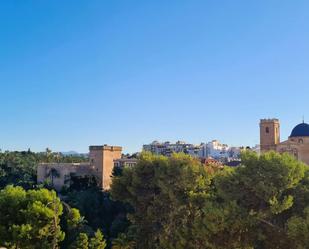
81, 242
97, 242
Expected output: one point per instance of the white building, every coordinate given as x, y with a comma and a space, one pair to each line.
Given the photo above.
212, 149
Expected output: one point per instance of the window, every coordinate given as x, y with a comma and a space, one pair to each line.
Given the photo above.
267, 130
295, 152
300, 141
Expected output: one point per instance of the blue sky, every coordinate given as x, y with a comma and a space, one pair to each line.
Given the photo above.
76, 73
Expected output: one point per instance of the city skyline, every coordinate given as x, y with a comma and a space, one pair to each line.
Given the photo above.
128, 73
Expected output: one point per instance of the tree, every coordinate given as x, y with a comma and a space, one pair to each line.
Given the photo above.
298, 230
100, 211
53, 173
165, 194
81, 242
177, 203
72, 224
30, 219
253, 203
18, 168
97, 242
123, 242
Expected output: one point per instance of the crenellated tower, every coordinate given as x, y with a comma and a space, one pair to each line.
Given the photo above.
269, 134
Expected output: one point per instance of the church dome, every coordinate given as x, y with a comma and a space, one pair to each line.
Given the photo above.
301, 130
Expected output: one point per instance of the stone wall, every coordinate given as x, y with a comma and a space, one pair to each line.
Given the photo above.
58, 174
101, 165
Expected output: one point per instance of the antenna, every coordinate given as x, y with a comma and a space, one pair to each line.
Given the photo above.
303, 119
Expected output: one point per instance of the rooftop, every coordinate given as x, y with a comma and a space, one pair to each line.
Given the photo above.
300, 130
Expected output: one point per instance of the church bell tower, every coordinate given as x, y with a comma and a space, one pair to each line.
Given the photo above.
269, 134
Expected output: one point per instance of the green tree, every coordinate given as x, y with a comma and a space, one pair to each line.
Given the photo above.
81, 242
53, 173
18, 168
123, 242
165, 194
298, 230
100, 211
30, 219
72, 224
97, 242
253, 203
177, 203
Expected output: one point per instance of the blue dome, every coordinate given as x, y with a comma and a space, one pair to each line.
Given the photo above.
301, 130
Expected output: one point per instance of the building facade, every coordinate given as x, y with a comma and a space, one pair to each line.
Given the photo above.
213, 149
168, 148
102, 160
125, 162
297, 143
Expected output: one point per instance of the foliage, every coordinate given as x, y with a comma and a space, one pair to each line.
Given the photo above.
261, 192
123, 242
72, 224
83, 242
177, 203
30, 219
79, 183
97, 242
169, 203
161, 191
19, 168
99, 210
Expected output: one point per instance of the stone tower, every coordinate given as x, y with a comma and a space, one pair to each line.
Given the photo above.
269, 134
102, 161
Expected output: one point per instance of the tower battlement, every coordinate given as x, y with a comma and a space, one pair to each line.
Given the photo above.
105, 147
269, 120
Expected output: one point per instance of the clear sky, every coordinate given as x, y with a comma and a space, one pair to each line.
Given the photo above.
76, 73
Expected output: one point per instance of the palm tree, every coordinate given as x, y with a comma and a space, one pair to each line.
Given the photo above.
123, 242
48, 155
53, 173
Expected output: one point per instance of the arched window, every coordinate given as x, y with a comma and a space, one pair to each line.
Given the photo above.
267, 129
301, 141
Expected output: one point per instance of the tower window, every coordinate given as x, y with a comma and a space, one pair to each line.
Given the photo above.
267, 129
